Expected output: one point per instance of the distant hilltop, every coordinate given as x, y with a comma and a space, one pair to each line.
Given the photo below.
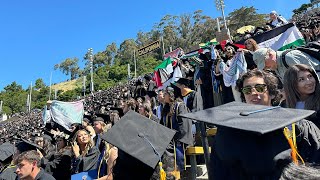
68, 85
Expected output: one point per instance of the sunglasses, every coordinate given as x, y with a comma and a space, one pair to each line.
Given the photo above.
260, 88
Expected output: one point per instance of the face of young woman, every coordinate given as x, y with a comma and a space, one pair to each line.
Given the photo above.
255, 91
306, 84
83, 137
248, 45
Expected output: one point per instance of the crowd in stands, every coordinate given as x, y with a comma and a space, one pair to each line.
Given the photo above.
30, 149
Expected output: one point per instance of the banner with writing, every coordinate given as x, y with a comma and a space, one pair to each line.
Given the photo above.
149, 48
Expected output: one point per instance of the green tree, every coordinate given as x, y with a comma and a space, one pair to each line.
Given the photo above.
302, 9
125, 52
14, 98
39, 84
245, 16
69, 66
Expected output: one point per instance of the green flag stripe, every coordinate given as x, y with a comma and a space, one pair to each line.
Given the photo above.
298, 42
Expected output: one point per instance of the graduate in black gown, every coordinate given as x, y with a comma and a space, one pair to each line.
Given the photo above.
59, 163
85, 154
141, 144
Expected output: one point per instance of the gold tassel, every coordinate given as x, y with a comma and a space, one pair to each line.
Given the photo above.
162, 173
291, 140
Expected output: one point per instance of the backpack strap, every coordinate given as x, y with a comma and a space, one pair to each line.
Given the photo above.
283, 58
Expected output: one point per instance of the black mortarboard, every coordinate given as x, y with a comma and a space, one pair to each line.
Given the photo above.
184, 81
177, 91
151, 94
120, 110
150, 138
6, 150
98, 118
242, 116
25, 145
105, 117
250, 143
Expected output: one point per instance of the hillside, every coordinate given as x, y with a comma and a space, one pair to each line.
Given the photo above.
68, 85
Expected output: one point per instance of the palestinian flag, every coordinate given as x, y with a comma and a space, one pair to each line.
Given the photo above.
165, 69
280, 38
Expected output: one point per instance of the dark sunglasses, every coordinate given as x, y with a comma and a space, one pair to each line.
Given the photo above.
260, 88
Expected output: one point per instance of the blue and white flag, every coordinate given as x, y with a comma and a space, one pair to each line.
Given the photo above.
64, 113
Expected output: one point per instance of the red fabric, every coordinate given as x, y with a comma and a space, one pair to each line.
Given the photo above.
157, 79
223, 43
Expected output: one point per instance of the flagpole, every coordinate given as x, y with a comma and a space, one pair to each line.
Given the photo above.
50, 86
84, 85
30, 97
135, 63
163, 51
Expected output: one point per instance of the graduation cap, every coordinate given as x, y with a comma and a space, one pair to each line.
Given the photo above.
6, 151
151, 94
176, 90
120, 110
250, 138
25, 145
150, 138
184, 81
258, 119
98, 118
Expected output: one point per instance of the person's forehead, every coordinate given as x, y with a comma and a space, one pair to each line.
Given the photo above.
82, 133
303, 73
253, 80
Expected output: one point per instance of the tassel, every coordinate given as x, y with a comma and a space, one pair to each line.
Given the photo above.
294, 151
162, 173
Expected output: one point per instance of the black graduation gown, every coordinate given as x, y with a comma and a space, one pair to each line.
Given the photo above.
58, 165
9, 173
184, 125
244, 156
88, 162
42, 175
129, 168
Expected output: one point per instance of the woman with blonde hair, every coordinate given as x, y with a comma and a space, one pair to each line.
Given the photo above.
86, 155
108, 161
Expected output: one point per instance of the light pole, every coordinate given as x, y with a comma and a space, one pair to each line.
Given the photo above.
90, 53
220, 6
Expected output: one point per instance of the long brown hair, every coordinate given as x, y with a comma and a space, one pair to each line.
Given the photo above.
291, 90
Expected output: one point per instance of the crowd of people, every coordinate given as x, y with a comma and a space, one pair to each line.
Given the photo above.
30, 149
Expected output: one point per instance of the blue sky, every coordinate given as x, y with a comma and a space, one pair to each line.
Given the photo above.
37, 34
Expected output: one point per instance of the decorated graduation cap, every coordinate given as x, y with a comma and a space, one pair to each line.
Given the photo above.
141, 143
6, 151
251, 139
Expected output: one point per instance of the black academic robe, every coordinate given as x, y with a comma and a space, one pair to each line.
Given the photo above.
129, 168
244, 155
58, 165
9, 173
183, 126
88, 162
42, 175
